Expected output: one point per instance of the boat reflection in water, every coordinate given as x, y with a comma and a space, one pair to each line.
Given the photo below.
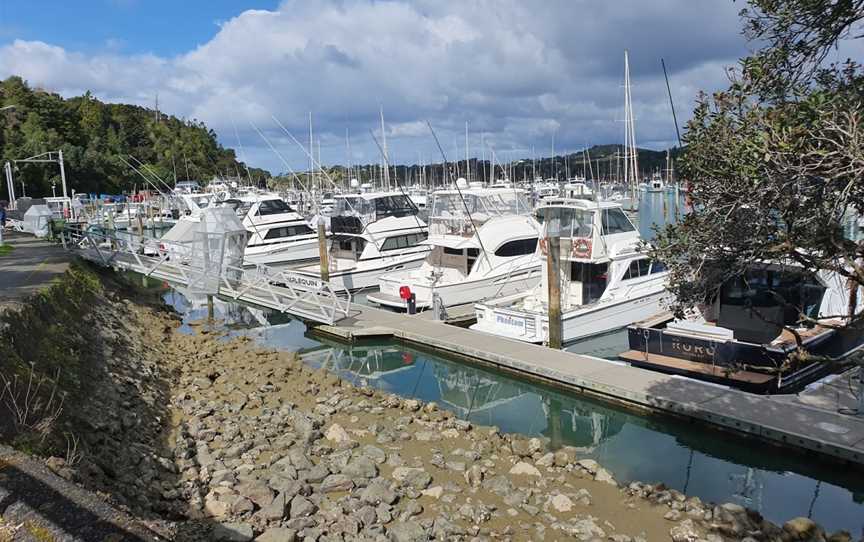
695, 459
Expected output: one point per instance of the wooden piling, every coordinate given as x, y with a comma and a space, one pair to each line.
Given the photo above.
322, 252
553, 276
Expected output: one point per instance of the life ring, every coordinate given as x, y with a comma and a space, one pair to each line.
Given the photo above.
581, 247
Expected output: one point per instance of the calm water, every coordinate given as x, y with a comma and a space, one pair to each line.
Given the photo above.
712, 465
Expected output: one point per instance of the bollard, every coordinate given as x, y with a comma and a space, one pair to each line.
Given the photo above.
412, 304
210, 307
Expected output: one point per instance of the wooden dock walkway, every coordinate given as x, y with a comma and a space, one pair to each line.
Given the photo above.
784, 420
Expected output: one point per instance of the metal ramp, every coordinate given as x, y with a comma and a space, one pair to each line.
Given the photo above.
201, 267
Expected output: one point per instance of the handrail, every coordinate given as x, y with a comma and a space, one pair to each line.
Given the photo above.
186, 264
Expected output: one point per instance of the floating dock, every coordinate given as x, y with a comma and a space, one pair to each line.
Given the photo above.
799, 421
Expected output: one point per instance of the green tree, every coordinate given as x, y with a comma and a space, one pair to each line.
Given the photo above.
775, 163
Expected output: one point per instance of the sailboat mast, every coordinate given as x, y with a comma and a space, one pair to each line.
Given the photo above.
467, 167
384, 157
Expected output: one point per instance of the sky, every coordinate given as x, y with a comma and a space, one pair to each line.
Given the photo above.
521, 74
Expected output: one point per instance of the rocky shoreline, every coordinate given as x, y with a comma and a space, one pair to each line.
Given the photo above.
239, 443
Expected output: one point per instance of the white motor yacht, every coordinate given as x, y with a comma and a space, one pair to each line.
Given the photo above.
373, 233
278, 235
484, 244
606, 283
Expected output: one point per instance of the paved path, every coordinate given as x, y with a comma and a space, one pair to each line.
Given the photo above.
791, 420
36, 504
32, 264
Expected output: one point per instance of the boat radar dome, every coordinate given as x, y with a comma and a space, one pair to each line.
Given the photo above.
461, 183
355, 183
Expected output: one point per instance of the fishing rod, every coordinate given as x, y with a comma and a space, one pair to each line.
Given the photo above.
458, 190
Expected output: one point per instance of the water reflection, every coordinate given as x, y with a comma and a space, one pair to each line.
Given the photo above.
712, 465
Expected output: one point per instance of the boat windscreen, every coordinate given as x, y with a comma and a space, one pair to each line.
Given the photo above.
572, 222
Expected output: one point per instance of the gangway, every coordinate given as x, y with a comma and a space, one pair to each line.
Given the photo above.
201, 267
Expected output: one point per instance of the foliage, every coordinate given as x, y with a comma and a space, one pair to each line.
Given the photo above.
94, 136
775, 163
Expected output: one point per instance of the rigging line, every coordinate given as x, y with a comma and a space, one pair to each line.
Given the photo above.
396, 181
279, 155
417, 383
312, 161
136, 170
151, 172
671, 103
242, 152
459, 191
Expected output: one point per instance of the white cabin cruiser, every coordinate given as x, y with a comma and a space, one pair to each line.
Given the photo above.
372, 234
606, 283
278, 234
484, 245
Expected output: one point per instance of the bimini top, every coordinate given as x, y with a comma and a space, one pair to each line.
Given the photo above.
483, 202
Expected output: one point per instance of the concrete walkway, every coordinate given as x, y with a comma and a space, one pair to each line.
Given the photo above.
788, 420
31, 265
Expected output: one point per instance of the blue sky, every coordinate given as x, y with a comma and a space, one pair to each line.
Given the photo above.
519, 73
162, 27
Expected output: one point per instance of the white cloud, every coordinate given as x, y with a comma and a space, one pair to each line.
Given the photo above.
517, 71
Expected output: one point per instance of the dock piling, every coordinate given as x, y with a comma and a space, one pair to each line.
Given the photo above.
322, 251
553, 276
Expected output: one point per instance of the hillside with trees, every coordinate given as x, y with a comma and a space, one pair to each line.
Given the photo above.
95, 137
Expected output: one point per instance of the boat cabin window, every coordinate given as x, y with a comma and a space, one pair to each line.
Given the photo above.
455, 258
288, 231
394, 206
615, 221
638, 268
658, 267
592, 276
572, 222
520, 247
403, 241
273, 207
757, 305
347, 247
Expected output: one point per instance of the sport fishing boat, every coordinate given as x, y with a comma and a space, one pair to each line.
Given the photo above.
751, 334
484, 244
371, 234
278, 234
607, 283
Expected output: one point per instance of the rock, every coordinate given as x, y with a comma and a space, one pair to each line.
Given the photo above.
604, 476
524, 468
583, 497
337, 435
426, 436
298, 459
232, 532
474, 476
672, 515
802, 529
561, 503
444, 529
316, 474
241, 505
407, 531
457, 466
584, 529
216, 508
547, 460
588, 465
413, 477
336, 482
377, 493
840, 536
277, 534
411, 405
360, 467
374, 453
302, 507
277, 509
257, 492
535, 445
684, 532
434, 492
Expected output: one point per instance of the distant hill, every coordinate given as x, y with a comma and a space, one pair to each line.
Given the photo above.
94, 135
606, 164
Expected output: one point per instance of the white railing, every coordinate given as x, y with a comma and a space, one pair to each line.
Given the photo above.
201, 266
